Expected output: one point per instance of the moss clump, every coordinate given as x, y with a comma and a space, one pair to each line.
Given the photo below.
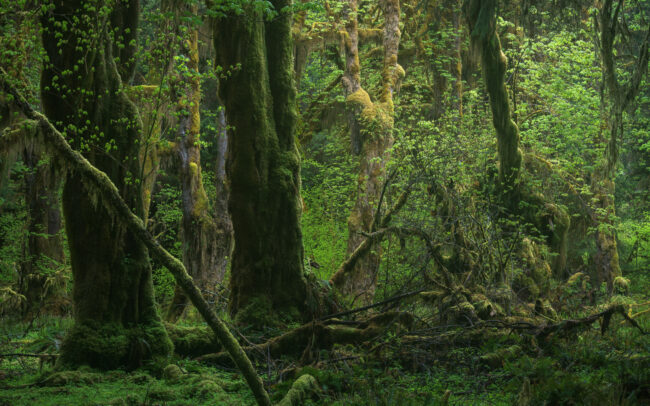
544, 308
301, 389
621, 285
172, 373
163, 394
497, 358
110, 346
192, 341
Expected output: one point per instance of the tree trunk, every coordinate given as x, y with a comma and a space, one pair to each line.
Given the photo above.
481, 18
620, 97
199, 233
263, 166
116, 321
41, 273
371, 127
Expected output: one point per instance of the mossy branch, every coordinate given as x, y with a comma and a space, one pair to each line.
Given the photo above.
300, 390
101, 184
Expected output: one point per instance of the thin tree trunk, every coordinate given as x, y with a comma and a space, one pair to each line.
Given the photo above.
371, 127
199, 233
481, 18
620, 97
44, 257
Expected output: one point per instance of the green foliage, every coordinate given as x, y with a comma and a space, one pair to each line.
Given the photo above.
328, 185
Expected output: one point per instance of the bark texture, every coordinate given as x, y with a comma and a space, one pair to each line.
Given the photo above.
116, 321
257, 89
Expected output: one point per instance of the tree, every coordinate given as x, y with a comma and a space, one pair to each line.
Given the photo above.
205, 246
481, 18
42, 272
371, 135
257, 89
620, 96
90, 46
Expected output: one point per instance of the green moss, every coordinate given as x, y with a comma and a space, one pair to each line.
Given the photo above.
300, 391
497, 358
172, 373
109, 346
621, 285
192, 340
258, 313
63, 378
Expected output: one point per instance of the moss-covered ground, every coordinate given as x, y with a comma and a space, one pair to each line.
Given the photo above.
507, 368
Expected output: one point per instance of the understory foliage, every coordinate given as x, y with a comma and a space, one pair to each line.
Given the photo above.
489, 288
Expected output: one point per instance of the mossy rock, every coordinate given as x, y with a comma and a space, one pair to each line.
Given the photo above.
203, 386
172, 373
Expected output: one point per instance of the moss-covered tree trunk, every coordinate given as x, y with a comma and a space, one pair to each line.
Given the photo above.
371, 128
481, 18
90, 50
42, 271
263, 165
202, 252
619, 96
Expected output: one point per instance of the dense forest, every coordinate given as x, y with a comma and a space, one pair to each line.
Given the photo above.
346, 202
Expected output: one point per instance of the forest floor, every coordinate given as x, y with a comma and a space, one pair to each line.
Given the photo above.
586, 368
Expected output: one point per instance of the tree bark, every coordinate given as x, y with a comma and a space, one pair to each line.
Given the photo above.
263, 165
116, 321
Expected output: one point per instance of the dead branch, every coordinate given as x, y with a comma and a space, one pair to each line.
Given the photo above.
317, 335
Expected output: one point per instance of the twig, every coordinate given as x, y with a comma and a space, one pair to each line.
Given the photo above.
383, 302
